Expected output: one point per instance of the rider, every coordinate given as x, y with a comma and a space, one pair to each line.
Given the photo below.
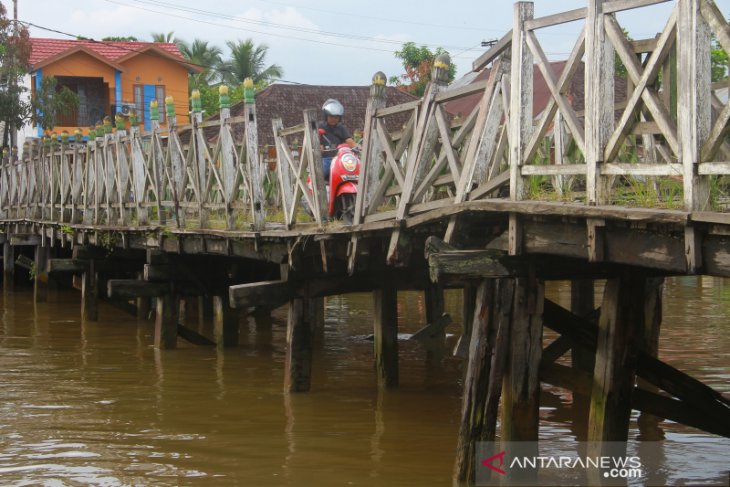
332, 133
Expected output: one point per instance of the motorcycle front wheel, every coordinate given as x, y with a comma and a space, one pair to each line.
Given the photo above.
345, 207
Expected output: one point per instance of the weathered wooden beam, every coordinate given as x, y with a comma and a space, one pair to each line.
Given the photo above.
580, 382
520, 412
61, 266
25, 262
8, 265
299, 341
90, 294
385, 330
166, 321
192, 336
619, 326
40, 279
488, 351
31, 239
265, 293
133, 288
225, 322
582, 303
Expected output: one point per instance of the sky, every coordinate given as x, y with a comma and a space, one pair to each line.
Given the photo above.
325, 42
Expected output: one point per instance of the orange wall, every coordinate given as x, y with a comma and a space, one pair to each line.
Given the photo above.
148, 68
141, 69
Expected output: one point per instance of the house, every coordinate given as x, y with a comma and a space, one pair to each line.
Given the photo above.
111, 77
288, 101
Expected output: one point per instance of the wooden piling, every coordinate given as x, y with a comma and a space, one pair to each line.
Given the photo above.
166, 321
299, 341
649, 343
619, 327
385, 324
40, 277
468, 307
89, 294
521, 387
582, 303
434, 304
225, 322
8, 265
316, 310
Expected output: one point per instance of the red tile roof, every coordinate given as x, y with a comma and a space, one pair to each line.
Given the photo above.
43, 49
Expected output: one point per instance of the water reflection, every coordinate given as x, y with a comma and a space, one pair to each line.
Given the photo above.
94, 403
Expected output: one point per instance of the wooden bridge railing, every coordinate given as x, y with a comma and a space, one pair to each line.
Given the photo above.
659, 128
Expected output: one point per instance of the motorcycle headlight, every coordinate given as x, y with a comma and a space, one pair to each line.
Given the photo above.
349, 162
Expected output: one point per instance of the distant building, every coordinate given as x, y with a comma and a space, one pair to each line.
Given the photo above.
287, 102
110, 77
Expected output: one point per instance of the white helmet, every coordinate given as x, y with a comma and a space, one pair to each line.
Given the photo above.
333, 108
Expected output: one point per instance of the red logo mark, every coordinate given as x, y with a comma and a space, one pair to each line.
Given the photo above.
488, 462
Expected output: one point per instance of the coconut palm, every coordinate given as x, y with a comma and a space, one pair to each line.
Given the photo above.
248, 61
163, 37
202, 54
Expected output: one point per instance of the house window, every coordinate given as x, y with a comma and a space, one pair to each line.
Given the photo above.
139, 101
160, 95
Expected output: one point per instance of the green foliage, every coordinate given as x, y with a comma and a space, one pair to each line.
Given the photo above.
14, 55
163, 37
209, 57
119, 39
417, 62
248, 60
51, 102
718, 60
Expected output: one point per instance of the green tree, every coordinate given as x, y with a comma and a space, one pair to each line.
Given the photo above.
14, 56
718, 60
51, 102
249, 61
417, 62
202, 54
168, 37
120, 38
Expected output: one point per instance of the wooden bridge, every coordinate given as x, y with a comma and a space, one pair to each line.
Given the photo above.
630, 188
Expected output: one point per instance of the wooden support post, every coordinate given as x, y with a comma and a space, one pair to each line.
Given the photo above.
225, 322
385, 311
434, 301
582, 303
316, 310
8, 265
144, 303
299, 341
619, 327
649, 343
469, 305
205, 307
166, 321
89, 294
694, 108
488, 350
40, 279
599, 118
521, 390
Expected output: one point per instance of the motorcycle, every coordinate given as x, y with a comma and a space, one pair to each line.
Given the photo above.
342, 184
342, 188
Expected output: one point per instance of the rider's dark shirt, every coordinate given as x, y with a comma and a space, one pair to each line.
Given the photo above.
332, 137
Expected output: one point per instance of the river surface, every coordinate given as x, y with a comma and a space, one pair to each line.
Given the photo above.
95, 404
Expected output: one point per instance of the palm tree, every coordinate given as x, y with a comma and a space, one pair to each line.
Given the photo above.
163, 37
247, 61
202, 54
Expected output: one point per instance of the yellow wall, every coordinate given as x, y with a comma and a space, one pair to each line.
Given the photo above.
151, 69
145, 68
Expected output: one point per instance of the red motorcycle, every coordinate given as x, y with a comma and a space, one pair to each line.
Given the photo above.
342, 193
342, 185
